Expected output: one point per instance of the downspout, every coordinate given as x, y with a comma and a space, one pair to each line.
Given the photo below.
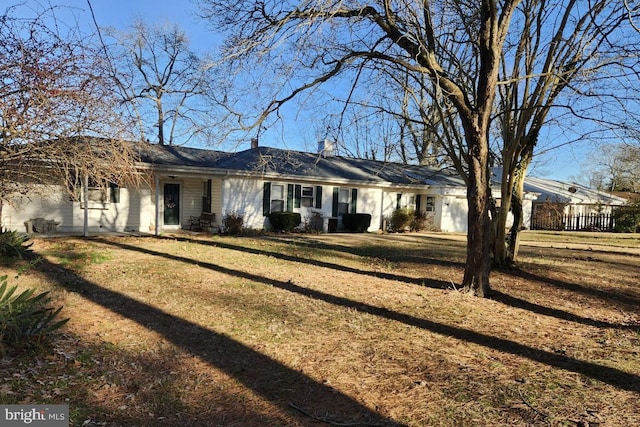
157, 211
85, 198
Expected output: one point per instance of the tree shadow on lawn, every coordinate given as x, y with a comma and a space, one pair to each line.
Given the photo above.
435, 284
290, 390
630, 301
430, 283
120, 387
516, 302
437, 256
615, 377
623, 260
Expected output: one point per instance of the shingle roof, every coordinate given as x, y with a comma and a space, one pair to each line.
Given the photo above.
267, 160
289, 163
171, 155
558, 191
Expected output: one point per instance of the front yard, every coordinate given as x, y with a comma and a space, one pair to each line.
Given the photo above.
338, 329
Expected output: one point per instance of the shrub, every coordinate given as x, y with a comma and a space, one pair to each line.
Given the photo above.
284, 221
233, 223
14, 244
627, 217
314, 223
356, 222
419, 221
25, 319
400, 220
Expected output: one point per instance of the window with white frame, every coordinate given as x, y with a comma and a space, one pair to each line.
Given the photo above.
277, 198
282, 197
406, 201
344, 200
307, 197
431, 204
98, 195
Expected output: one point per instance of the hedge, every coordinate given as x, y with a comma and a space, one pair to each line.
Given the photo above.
356, 222
284, 221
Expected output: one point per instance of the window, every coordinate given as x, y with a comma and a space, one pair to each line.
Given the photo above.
277, 198
288, 197
307, 197
405, 201
98, 194
431, 204
343, 201
206, 196
95, 193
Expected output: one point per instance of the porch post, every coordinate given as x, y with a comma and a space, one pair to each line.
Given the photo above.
85, 198
157, 212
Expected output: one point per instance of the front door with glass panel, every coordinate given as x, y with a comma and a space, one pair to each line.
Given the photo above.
172, 204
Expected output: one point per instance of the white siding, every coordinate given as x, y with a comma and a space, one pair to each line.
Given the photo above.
22, 208
454, 214
136, 209
244, 197
134, 212
389, 202
370, 201
191, 194
216, 198
438, 206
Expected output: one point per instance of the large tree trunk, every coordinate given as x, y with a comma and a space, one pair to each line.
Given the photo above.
479, 236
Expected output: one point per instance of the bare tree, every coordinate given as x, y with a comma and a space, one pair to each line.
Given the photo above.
53, 96
418, 126
568, 60
319, 40
614, 167
163, 83
397, 122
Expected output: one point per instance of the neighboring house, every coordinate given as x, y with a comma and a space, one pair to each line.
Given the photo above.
182, 183
570, 206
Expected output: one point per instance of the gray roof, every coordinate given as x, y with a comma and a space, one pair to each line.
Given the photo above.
558, 191
288, 163
171, 155
562, 192
267, 160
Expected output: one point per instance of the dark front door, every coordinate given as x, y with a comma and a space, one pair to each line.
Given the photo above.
171, 204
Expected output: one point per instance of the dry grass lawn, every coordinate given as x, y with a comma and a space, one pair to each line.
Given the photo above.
305, 330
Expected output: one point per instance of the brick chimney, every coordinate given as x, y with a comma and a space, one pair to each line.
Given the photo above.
254, 143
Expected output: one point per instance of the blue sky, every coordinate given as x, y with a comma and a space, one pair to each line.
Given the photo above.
561, 164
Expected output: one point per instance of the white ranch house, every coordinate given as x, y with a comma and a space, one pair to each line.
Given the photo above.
185, 182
